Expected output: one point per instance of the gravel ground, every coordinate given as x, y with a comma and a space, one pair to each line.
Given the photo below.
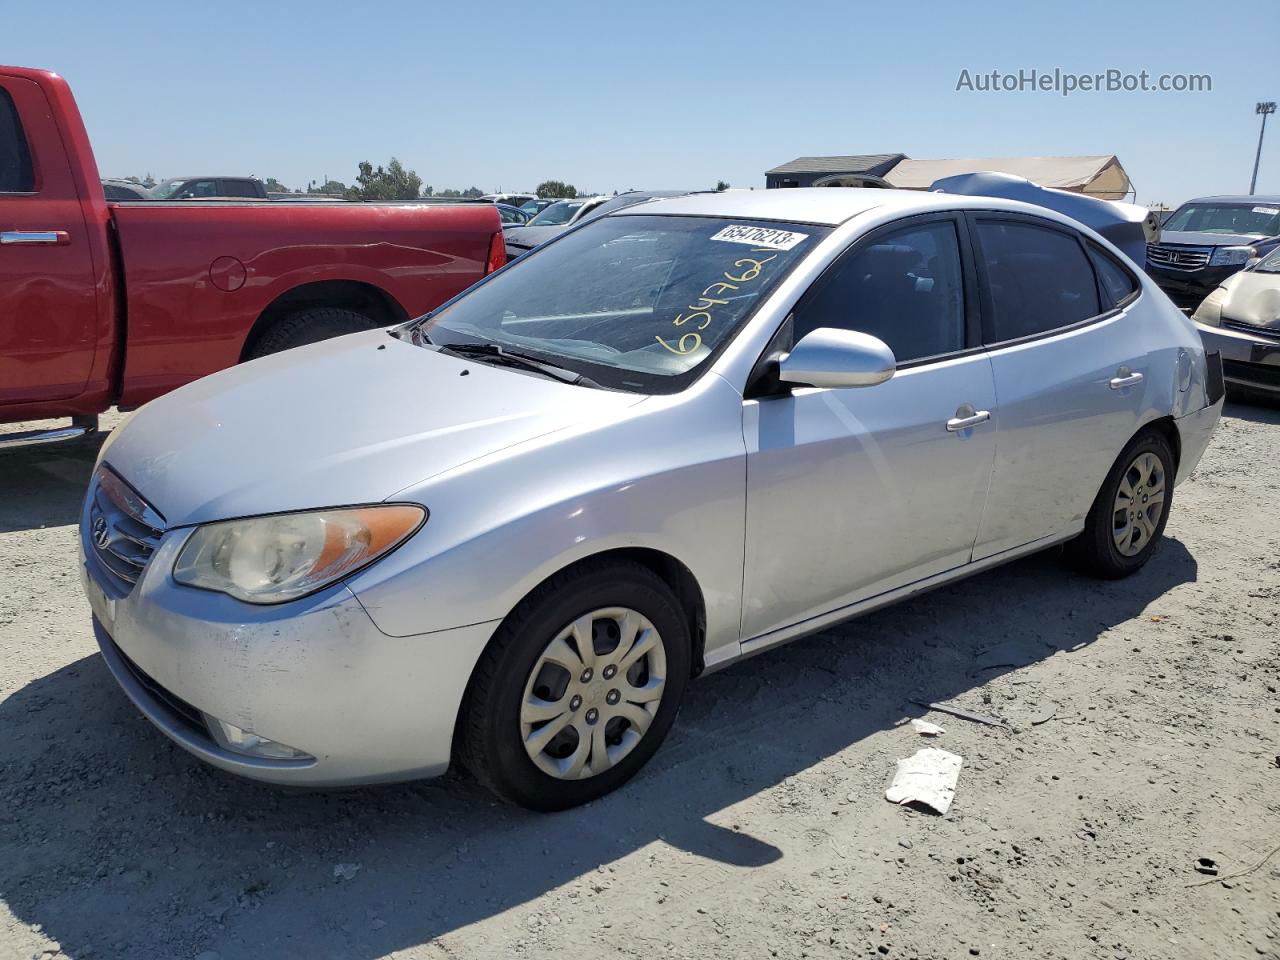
760, 829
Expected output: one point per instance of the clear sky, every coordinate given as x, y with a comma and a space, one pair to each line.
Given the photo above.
648, 95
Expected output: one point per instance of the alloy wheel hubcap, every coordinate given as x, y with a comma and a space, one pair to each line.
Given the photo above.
1139, 504
593, 693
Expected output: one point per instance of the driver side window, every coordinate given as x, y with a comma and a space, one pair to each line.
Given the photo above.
905, 287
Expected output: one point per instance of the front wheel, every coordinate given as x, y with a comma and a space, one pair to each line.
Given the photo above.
1128, 517
578, 688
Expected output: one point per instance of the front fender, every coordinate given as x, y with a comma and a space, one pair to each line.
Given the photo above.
668, 475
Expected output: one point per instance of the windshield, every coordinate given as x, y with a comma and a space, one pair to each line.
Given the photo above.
558, 214
1262, 219
632, 302
1270, 263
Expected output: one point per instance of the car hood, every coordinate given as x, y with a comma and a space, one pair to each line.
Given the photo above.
1253, 298
1194, 238
530, 237
345, 421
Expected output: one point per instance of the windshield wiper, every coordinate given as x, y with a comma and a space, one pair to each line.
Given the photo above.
512, 358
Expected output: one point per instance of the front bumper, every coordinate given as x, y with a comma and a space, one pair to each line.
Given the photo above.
1187, 288
1248, 360
315, 674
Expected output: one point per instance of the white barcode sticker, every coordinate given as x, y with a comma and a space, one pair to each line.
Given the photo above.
766, 237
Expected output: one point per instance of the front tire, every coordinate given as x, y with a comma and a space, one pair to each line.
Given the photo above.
578, 688
1128, 517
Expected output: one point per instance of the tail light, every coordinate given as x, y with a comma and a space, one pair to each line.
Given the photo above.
497, 253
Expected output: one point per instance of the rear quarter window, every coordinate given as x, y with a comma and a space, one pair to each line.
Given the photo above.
1118, 285
16, 175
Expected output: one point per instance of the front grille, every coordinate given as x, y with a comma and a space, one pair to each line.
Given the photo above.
122, 530
175, 706
1251, 328
1179, 258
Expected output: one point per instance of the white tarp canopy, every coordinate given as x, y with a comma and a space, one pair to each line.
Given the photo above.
1096, 176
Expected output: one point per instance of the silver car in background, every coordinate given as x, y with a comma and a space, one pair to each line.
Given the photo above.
512, 531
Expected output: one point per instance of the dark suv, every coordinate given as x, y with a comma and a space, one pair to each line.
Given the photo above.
1205, 241
199, 188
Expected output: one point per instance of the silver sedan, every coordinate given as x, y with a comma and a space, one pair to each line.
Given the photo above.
509, 533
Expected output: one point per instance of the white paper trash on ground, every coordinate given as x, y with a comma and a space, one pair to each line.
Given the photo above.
928, 777
925, 728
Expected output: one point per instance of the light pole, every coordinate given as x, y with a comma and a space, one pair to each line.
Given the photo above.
1264, 109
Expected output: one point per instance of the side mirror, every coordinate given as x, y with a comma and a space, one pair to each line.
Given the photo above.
828, 357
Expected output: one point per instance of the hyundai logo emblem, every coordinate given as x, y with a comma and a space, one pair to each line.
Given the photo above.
101, 535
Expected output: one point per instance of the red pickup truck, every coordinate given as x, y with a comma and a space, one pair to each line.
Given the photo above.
106, 304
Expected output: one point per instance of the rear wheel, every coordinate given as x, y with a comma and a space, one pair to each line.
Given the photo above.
578, 688
1128, 516
310, 325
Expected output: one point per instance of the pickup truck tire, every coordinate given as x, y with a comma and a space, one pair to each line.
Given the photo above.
310, 326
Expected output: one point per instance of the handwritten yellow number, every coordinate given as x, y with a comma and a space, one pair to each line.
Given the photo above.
694, 342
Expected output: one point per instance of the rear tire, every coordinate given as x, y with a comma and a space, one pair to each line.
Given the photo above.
310, 325
623, 607
1128, 517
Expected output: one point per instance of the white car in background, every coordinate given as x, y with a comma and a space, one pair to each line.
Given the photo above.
512, 531
1241, 320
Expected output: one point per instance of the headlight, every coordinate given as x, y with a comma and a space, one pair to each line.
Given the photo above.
279, 558
1226, 256
1210, 310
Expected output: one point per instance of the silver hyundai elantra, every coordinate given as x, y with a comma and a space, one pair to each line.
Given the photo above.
510, 532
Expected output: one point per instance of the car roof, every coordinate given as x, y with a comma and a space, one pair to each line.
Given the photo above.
1238, 198
213, 176
822, 205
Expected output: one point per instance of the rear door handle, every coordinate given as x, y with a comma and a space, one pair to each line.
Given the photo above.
1125, 379
32, 237
958, 423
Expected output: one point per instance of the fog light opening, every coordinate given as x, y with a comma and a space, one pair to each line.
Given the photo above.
233, 738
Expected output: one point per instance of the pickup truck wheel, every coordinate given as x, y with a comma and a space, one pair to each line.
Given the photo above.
310, 326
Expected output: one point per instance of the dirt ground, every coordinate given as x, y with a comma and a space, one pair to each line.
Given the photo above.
759, 830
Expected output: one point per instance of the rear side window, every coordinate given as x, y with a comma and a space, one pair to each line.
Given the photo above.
1038, 280
905, 287
1118, 285
240, 188
15, 159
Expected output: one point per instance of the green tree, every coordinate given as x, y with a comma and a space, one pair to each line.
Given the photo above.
721, 186
275, 186
449, 193
329, 186
556, 189
393, 183
473, 192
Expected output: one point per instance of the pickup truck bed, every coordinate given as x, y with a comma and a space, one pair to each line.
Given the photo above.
107, 304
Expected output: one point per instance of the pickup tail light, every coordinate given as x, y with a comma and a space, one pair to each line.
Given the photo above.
497, 253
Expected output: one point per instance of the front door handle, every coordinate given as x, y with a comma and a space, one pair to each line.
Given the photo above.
58, 238
1124, 378
967, 417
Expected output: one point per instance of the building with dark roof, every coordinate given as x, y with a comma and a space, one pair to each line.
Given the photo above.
869, 168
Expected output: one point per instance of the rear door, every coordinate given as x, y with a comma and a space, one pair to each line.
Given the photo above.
1069, 373
48, 296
